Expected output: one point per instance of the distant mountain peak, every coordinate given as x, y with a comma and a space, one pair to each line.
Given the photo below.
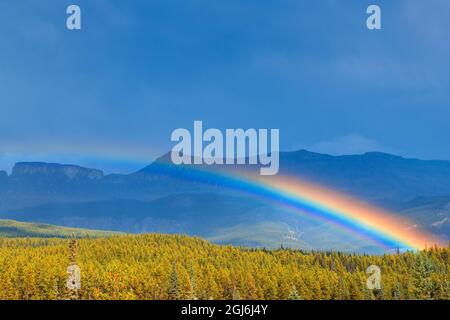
305, 154
312, 154
379, 154
69, 172
165, 158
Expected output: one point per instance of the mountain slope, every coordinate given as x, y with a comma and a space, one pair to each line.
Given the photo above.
375, 177
433, 213
15, 229
243, 221
158, 199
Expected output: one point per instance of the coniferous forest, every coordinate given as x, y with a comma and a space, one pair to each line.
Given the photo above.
158, 267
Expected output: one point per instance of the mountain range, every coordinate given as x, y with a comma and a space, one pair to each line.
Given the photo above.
15, 229
154, 200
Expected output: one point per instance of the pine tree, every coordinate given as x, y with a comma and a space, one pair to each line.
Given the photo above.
294, 294
396, 292
368, 294
73, 271
342, 292
173, 291
379, 293
140, 267
192, 285
236, 295
355, 292
422, 282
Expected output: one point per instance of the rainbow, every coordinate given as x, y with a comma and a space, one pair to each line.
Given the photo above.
381, 227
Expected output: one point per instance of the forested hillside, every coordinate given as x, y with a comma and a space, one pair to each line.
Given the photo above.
178, 267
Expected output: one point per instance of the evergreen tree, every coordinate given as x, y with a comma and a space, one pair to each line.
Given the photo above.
342, 292
422, 282
379, 293
293, 295
173, 291
236, 295
396, 292
142, 267
191, 293
368, 294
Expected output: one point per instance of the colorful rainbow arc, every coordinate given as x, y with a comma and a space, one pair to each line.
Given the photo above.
383, 228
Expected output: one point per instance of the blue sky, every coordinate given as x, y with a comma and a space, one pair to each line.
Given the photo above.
110, 95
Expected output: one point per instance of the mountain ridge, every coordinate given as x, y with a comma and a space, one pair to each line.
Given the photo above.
16, 229
157, 199
68, 171
374, 176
